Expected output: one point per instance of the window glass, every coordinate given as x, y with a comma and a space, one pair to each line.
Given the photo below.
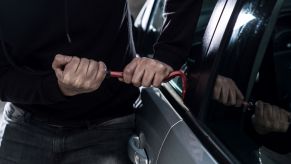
158, 19
239, 129
135, 7
206, 11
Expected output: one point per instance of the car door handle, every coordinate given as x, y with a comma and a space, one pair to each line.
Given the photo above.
136, 154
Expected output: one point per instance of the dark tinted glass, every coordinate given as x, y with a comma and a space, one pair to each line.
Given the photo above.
232, 127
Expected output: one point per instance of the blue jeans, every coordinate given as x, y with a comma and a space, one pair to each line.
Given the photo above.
23, 141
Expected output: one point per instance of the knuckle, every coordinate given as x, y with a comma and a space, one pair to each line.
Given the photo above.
84, 60
136, 83
67, 80
128, 71
146, 85
76, 59
93, 62
161, 67
138, 59
268, 125
78, 83
157, 84
87, 85
102, 66
143, 59
57, 57
230, 80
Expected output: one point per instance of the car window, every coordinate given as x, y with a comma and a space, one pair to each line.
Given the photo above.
158, 19
206, 11
248, 64
156, 23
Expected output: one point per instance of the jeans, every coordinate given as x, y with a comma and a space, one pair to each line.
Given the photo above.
23, 141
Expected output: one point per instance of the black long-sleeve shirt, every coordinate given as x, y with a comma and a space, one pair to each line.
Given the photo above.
34, 31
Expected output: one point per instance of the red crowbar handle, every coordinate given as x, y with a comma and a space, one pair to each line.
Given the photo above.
171, 76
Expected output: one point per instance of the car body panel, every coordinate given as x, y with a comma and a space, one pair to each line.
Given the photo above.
164, 132
170, 133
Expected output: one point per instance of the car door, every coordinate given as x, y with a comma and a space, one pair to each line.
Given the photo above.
171, 130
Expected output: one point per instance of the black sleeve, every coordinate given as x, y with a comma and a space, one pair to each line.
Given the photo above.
17, 86
174, 44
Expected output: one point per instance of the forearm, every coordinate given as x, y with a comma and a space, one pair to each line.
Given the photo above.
176, 38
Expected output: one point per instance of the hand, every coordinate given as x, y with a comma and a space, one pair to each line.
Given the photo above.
146, 72
227, 93
270, 118
76, 76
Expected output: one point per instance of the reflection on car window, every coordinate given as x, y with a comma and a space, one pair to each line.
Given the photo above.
206, 11
256, 131
157, 22
155, 27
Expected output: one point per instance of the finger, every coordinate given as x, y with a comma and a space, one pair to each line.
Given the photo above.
217, 90
73, 65
276, 119
59, 62
259, 110
137, 77
162, 72
101, 74
92, 69
232, 97
284, 115
285, 119
70, 69
224, 95
80, 73
147, 78
281, 120
158, 79
129, 71
276, 114
83, 67
239, 94
267, 110
139, 73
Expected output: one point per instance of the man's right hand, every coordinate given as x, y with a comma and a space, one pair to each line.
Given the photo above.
77, 76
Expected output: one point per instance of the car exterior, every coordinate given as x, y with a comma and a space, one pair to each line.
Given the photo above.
232, 39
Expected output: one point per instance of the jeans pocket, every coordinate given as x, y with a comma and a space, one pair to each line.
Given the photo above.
13, 114
125, 122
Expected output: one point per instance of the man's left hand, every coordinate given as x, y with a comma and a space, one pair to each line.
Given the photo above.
146, 72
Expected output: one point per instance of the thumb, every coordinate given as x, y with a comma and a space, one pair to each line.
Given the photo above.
60, 61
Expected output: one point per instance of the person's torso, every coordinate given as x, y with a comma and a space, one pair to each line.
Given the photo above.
34, 31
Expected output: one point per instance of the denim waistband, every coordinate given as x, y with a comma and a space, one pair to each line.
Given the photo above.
16, 112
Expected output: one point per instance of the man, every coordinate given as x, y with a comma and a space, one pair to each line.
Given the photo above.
72, 113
